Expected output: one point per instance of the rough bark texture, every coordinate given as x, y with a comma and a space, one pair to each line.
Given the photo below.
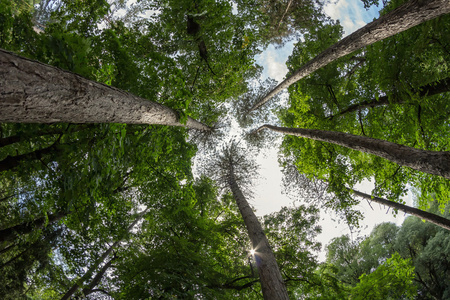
404, 17
430, 217
432, 162
32, 92
426, 90
272, 284
11, 233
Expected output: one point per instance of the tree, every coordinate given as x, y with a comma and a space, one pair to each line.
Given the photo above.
71, 98
436, 163
235, 167
404, 17
404, 88
101, 260
416, 246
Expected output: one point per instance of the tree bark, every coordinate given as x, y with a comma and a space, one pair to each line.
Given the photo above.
32, 92
430, 217
272, 285
402, 18
427, 90
11, 233
432, 162
95, 265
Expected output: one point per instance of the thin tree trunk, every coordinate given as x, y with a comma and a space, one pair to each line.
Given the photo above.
33, 92
272, 285
101, 259
432, 162
430, 217
284, 14
402, 18
427, 90
11, 233
89, 289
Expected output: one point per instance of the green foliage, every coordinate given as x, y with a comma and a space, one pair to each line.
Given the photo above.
386, 91
407, 262
391, 280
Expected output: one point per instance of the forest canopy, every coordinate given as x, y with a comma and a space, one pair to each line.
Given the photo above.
105, 105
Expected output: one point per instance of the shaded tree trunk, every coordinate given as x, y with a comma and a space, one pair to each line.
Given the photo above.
427, 90
96, 280
430, 217
11, 162
9, 140
432, 162
33, 92
98, 262
272, 284
11, 233
404, 17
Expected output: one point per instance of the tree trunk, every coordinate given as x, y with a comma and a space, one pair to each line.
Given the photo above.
430, 217
95, 265
32, 92
432, 162
11, 162
402, 18
272, 284
9, 140
427, 90
89, 289
11, 233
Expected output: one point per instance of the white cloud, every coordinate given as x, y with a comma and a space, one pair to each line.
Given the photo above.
351, 14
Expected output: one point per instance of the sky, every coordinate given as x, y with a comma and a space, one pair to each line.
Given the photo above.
268, 195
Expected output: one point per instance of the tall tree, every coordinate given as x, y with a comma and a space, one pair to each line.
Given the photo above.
101, 260
235, 170
433, 162
71, 98
404, 17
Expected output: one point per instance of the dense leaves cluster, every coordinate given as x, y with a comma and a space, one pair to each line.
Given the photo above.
394, 90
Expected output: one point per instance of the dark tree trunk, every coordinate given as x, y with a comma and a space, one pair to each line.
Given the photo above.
432, 162
404, 17
426, 90
9, 140
430, 217
11, 162
11, 233
32, 92
272, 285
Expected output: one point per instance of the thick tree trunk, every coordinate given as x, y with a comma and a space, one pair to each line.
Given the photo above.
11, 233
404, 17
97, 263
32, 92
427, 90
432, 162
430, 217
272, 284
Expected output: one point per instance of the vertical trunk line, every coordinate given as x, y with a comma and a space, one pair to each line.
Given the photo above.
272, 284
